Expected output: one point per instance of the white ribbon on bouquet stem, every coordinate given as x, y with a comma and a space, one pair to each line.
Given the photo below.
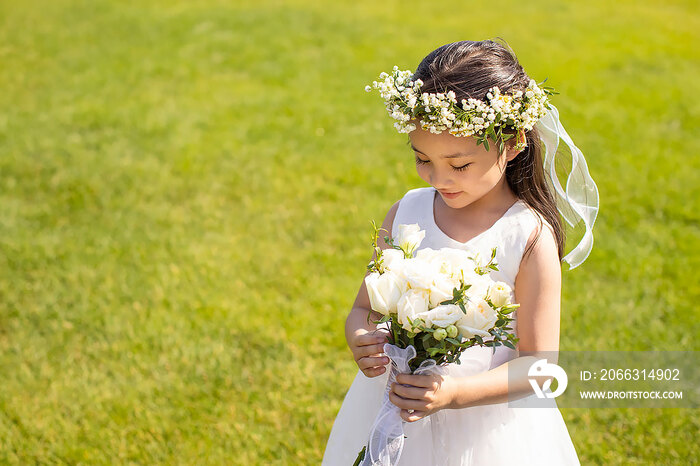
386, 437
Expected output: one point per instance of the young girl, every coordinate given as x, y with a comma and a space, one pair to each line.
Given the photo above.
492, 184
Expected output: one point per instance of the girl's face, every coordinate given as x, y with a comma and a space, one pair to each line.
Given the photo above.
461, 171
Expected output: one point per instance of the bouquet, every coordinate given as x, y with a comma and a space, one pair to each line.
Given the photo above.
438, 303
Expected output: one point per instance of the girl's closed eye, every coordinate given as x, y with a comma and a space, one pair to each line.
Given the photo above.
420, 161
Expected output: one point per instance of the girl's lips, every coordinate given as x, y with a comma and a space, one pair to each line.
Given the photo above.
450, 195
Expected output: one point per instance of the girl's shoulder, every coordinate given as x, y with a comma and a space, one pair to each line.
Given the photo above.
541, 237
536, 220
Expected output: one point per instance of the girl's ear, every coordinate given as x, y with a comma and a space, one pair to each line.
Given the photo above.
512, 144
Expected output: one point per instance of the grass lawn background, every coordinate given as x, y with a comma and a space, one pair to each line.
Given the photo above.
185, 197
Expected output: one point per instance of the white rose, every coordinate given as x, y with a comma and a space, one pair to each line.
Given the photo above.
442, 289
433, 257
479, 319
456, 262
479, 287
442, 316
499, 294
384, 291
412, 303
428, 255
417, 273
392, 259
409, 237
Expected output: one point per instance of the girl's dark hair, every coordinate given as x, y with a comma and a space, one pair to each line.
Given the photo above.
470, 69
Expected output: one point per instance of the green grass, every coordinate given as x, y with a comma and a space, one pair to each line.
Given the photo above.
185, 191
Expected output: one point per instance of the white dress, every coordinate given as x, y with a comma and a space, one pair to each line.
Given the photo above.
493, 434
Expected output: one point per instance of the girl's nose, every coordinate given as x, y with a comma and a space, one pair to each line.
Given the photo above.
440, 180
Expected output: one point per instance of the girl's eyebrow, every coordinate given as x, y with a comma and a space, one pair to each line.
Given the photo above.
451, 156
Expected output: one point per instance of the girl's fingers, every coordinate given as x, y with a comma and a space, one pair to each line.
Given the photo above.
425, 381
370, 339
408, 392
414, 416
370, 350
367, 362
374, 371
367, 352
406, 404
381, 333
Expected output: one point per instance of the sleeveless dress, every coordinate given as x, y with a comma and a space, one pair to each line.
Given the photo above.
494, 434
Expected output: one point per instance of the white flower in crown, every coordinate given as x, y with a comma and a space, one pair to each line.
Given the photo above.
438, 112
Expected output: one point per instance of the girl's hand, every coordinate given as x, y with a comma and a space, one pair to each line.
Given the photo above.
367, 347
421, 395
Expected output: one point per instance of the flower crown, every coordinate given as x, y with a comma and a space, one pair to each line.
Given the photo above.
441, 112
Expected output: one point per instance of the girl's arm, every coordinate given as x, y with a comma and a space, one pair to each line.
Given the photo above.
363, 338
538, 291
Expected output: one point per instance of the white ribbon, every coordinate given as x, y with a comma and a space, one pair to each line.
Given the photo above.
579, 201
386, 437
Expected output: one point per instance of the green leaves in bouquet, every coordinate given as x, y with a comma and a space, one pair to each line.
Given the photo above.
390, 241
500, 332
459, 296
376, 264
448, 350
382, 320
427, 346
491, 265
360, 456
